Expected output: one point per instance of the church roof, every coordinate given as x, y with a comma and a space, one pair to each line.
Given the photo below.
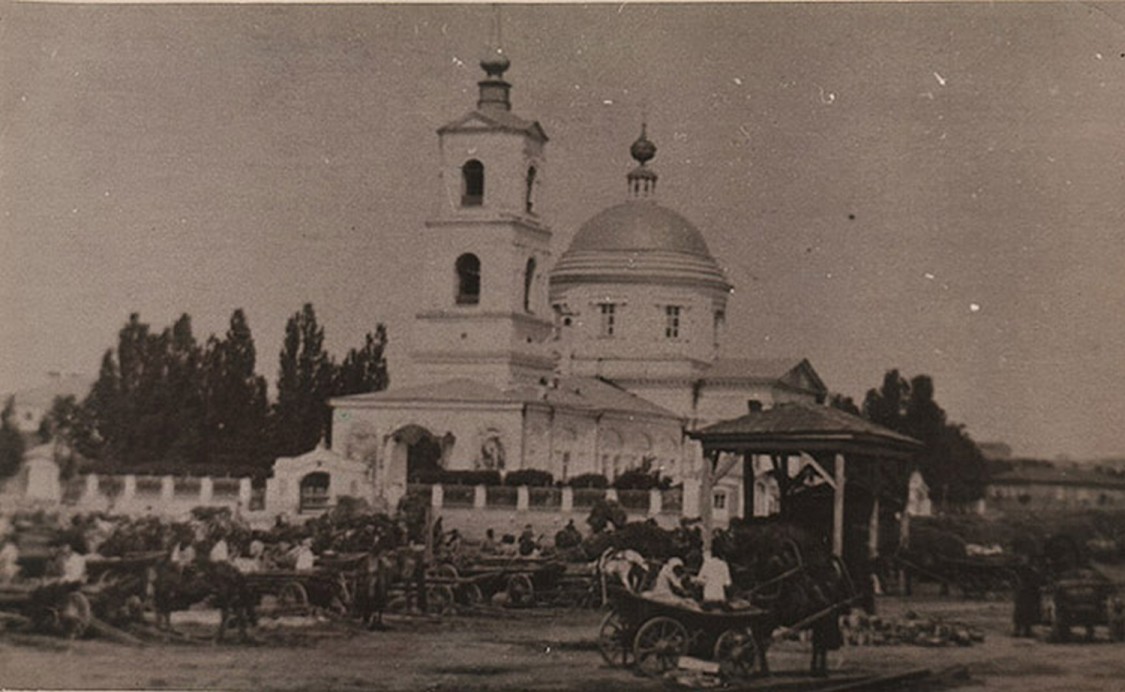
494, 119
797, 372
582, 393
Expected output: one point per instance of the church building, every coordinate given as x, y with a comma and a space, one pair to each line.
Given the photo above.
598, 362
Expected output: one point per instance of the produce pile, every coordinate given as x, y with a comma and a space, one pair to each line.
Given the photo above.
860, 629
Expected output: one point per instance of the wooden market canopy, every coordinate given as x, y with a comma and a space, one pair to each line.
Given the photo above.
805, 427
794, 428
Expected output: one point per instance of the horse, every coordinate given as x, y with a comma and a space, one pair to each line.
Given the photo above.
380, 572
172, 589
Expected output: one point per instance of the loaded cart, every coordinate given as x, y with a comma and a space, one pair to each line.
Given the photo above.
652, 635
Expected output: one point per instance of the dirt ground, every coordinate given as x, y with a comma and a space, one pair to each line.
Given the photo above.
518, 650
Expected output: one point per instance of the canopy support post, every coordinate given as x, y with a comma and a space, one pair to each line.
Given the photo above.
838, 508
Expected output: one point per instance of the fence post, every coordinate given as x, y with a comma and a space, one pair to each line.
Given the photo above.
437, 495
480, 497
245, 492
566, 503
523, 499
655, 502
91, 490
206, 490
167, 487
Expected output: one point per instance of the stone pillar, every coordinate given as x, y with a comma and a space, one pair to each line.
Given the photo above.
167, 487
129, 490
91, 491
480, 497
206, 490
611, 494
244, 492
523, 498
437, 496
655, 502
566, 502
691, 498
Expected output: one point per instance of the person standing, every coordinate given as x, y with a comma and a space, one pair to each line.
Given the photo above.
714, 575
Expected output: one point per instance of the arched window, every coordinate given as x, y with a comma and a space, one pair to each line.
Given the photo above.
468, 279
530, 187
528, 277
472, 183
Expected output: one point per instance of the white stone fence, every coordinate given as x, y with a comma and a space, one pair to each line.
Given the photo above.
164, 495
550, 499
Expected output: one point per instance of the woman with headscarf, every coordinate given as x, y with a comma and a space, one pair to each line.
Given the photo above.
669, 585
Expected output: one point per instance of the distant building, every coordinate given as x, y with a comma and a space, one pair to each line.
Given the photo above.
1048, 487
32, 405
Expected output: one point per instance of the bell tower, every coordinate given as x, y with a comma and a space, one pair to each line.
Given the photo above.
485, 314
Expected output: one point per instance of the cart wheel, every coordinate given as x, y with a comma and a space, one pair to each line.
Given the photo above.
521, 592
658, 646
398, 604
613, 640
737, 654
471, 594
444, 571
439, 599
293, 596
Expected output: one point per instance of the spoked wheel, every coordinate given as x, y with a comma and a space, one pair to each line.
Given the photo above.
736, 652
470, 594
521, 592
658, 646
293, 597
443, 571
439, 599
613, 640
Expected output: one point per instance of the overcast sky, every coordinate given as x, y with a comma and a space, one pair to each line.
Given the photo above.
934, 188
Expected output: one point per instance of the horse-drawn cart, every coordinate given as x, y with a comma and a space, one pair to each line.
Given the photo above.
52, 606
526, 581
652, 635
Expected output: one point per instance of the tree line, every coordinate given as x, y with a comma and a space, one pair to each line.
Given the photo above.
165, 402
951, 463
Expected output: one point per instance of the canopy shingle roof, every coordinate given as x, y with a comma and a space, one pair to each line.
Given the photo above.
804, 427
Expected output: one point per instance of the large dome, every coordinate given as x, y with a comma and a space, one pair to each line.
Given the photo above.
639, 225
638, 241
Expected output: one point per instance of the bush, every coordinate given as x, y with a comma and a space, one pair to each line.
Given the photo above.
589, 480
532, 478
446, 477
639, 479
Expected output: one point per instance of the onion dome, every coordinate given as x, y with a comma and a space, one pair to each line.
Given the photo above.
642, 179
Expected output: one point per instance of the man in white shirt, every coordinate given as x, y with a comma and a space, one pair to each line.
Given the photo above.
73, 565
714, 574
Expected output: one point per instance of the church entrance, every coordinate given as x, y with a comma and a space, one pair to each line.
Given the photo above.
416, 456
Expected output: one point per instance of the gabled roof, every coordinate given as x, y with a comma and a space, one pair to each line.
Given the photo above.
581, 393
595, 395
494, 119
792, 371
804, 427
